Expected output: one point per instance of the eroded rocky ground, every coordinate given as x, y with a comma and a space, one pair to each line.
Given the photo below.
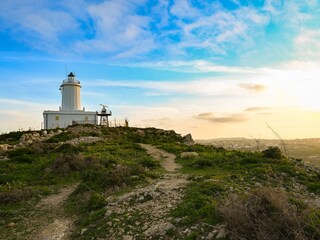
144, 212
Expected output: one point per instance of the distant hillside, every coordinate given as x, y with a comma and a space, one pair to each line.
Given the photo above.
93, 182
307, 149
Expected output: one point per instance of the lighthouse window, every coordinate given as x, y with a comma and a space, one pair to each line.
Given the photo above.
57, 118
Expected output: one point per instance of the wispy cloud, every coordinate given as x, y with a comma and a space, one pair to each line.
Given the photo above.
119, 29
257, 109
203, 87
230, 118
253, 87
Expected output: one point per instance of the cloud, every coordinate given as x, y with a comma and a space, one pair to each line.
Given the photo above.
119, 29
202, 87
307, 44
19, 114
257, 109
253, 87
230, 118
195, 66
182, 8
42, 24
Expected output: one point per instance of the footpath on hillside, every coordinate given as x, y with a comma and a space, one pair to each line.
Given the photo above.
144, 212
52, 224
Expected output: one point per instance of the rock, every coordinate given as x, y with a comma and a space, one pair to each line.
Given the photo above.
189, 154
222, 233
187, 139
140, 133
11, 225
77, 141
210, 236
108, 213
168, 227
127, 237
83, 231
44, 132
141, 199
4, 147
59, 131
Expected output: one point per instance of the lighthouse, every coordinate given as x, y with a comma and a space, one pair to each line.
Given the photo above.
70, 89
70, 111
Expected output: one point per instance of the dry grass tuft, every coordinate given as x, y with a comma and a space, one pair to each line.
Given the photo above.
264, 213
66, 163
14, 196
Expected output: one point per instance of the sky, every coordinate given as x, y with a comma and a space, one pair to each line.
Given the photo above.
212, 68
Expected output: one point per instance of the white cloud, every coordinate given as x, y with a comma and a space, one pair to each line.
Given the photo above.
34, 18
307, 44
118, 29
19, 114
220, 29
182, 8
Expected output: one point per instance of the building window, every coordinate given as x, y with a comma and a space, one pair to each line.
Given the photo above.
57, 118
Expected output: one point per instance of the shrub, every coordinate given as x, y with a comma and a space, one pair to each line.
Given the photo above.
69, 148
263, 213
314, 187
14, 196
62, 137
272, 152
66, 163
21, 155
95, 202
149, 162
12, 137
107, 179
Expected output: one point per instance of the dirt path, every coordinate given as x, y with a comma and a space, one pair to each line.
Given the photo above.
166, 159
55, 225
144, 212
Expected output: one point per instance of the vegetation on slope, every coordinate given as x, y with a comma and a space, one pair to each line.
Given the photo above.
244, 193
259, 195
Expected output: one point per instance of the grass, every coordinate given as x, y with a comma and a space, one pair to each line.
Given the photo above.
118, 164
218, 174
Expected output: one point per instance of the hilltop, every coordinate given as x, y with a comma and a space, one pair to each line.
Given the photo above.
92, 182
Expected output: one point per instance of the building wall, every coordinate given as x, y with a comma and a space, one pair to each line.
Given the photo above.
60, 119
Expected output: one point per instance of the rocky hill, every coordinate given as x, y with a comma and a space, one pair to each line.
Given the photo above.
92, 182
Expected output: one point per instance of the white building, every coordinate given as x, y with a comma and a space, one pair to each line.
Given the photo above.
70, 111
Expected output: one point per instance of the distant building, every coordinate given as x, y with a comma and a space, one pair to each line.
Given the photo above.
70, 111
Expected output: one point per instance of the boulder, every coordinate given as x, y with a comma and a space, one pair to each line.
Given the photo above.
187, 139
4, 147
140, 133
189, 154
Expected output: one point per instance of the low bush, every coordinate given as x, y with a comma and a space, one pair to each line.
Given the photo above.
69, 148
149, 162
198, 204
264, 213
66, 163
14, 196
62, 137
272, 152
103, 179
12, 137
314, 187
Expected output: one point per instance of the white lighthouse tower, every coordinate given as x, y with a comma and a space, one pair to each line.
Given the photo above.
70, 89
70, 111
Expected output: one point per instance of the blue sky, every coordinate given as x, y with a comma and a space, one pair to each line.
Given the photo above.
212, 68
